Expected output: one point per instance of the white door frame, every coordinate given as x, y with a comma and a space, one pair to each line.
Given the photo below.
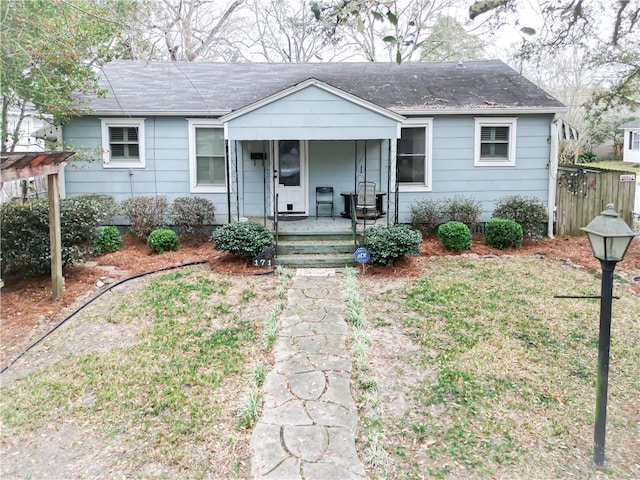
296, 196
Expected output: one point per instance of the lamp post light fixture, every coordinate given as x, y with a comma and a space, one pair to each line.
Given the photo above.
610, 238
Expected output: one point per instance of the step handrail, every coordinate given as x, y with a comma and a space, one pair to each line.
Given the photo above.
353, 222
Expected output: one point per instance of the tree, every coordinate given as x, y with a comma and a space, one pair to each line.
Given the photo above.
285, 31
607, 31
449, 41
179, 30
49, 50
398, 27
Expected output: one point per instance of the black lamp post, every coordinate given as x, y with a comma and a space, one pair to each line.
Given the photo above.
610, 238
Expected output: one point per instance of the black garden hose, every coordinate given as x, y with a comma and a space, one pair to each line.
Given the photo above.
94, 298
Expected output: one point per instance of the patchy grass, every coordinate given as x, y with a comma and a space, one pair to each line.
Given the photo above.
511, 389
173, 397
616, 165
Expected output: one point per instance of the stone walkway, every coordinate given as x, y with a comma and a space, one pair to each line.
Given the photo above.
307, 429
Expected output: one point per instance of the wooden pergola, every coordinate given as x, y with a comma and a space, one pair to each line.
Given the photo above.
22, 165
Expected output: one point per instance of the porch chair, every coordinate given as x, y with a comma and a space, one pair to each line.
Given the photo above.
324, 196
366, 206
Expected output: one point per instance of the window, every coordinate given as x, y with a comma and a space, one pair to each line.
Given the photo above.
634, 140
495, 142
207, 156
123, 143
414, 155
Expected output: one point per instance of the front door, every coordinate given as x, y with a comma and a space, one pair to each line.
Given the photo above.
290, 176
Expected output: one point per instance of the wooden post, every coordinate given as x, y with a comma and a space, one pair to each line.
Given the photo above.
55, 237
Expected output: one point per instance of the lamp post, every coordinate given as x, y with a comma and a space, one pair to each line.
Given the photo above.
610, 238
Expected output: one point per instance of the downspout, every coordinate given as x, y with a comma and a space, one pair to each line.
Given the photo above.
228, 172
235, 156
554, 150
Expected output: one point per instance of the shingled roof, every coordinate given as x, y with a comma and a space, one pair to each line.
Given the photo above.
195, 88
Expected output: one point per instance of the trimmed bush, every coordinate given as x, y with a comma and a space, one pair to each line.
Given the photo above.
530, 213
502, 233
145, 214
105, 205
246, 239
462, 209
25, 234
163, 240
191, 214
455, 236
109, 239
386, 244
426, 215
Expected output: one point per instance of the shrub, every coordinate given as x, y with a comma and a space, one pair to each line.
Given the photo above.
530, 213
587, 157
455, 236
163, 240
25, 234
246, 239
463, 210
105, 205
426, 215
145, 214
191, 214
503, 233
109, 239
386, 244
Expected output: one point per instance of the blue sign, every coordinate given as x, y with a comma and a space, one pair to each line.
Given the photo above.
361, 255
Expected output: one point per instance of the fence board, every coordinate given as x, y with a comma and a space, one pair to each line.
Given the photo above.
583, 193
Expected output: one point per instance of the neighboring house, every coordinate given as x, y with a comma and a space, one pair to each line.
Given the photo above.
240, 133
631, 141
26, 142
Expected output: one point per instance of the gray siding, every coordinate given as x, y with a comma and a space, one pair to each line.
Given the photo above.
454, 172
331, 163
166, 171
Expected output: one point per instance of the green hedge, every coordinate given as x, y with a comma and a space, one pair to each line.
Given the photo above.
455, 236
25, 234
386, 244
246, 239
503, 233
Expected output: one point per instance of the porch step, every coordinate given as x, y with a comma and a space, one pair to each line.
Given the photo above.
315, 260
313, 236
315, 246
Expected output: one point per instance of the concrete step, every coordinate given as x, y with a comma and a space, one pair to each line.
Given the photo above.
296, 247
315, 260
315, 235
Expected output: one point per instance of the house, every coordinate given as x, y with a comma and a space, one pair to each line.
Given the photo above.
631, 141
246, 134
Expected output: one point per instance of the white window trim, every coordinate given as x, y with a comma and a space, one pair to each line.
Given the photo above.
106, 123
510, 122
427, 186
193, 171
630, 135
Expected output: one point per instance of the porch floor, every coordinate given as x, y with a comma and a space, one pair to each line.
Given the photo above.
318, 225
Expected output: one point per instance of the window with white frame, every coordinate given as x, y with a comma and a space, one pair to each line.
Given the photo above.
634, 140
207, 156
123, 142
413, 155
495, 142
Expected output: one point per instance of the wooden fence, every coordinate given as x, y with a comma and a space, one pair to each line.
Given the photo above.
583, 192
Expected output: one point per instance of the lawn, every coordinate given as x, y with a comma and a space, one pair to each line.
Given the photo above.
477, 371
171, 396
616, 165
470, 370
